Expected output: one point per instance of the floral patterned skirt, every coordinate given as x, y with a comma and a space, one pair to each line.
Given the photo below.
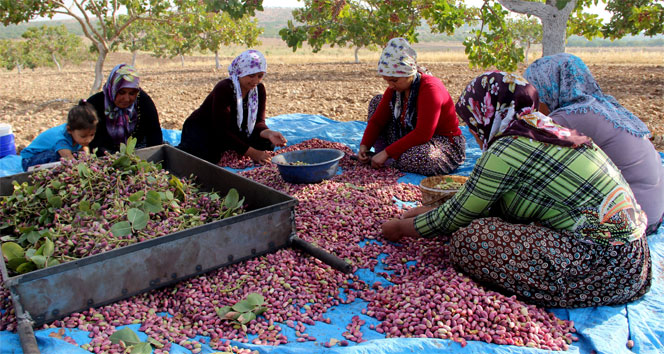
439, 156
551, 268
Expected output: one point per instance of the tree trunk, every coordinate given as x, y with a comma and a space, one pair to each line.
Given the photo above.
55, 60
182, 60
216, 60
99, 67
357, 59
527, 50
18, 67
133, 58
554, 21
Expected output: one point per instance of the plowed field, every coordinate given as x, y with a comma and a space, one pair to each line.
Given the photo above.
36, 100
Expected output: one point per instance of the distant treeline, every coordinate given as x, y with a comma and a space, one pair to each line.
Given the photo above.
15, 31
631, 41
274, 19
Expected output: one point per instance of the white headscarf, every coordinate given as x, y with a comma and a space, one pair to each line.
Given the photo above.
398, 59
249, 62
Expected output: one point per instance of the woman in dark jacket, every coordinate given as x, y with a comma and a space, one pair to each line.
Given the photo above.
125, 110
232, 116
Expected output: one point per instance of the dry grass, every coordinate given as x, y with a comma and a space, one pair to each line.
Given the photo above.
432, 52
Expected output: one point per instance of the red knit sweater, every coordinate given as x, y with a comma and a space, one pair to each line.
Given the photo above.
435, 116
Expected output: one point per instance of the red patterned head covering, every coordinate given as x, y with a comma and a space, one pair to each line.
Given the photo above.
499, 103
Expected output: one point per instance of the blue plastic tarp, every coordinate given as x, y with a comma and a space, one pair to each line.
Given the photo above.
602, 329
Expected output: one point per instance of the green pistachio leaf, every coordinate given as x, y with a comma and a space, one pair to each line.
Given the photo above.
141, 348
137, 218
12, 250
255, 299
26, 268
127, 335
122, 228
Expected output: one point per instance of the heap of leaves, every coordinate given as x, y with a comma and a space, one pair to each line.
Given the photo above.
244, 311
92, 205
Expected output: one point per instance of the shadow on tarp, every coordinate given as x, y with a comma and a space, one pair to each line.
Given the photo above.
603, 329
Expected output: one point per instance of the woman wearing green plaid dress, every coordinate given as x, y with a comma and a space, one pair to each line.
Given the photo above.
544, 215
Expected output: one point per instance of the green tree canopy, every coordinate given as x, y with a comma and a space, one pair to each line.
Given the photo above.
358, 24
101, 20
495, 39
16, 54
55, 43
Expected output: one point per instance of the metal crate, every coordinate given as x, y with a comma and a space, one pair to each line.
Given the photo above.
267, 225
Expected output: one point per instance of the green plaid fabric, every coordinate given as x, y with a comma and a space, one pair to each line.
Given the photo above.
523, 181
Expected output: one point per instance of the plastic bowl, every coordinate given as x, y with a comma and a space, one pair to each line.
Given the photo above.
317, 165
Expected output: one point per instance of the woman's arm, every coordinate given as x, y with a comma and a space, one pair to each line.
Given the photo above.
490, 179
378, 120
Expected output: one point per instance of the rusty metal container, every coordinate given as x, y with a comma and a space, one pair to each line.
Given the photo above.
268, 223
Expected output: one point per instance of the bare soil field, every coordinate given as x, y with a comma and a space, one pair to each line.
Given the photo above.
37, 100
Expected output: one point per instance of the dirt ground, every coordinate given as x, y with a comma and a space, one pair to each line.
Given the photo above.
37, 100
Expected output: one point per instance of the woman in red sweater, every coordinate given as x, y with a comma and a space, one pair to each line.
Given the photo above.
414, 127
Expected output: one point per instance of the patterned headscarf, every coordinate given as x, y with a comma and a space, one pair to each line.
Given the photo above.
398, 59
499, 103
249, 62
120, 122
565, 82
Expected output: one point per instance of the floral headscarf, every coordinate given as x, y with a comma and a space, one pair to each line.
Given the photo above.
499, 103
120, 122
398, 59
249, 62
565, 82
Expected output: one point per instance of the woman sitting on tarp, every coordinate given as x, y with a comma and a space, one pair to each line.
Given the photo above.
545, 214
412, 126
124, 111
232, 116
569, 90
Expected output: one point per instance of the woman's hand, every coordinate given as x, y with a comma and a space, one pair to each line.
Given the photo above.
395, 229
362, 154
258, 156
275, 137
379, 159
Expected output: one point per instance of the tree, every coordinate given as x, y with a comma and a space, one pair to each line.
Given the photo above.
526, 33
134, 38
217, 29
175, 37
16, 54
214, 29
493, 40
54, 42
634, 17
100, 19
354, 23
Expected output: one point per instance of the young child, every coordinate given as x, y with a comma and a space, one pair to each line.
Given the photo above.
62, 141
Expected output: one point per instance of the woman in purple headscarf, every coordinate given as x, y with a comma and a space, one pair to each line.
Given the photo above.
232, 116
125, 110
545, 214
